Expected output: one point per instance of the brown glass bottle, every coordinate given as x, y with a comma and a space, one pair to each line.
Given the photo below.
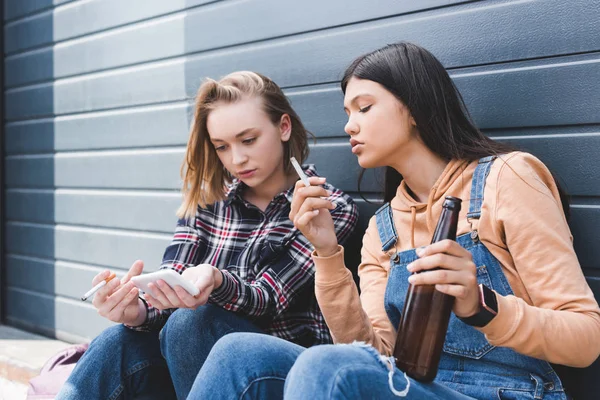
426, 313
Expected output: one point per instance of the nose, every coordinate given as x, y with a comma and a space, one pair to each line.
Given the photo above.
238, 155
351, 127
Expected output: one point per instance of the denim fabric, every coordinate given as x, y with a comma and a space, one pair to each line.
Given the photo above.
246, 366
467, 357
125, 364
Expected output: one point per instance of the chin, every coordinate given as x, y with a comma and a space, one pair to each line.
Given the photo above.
365, 162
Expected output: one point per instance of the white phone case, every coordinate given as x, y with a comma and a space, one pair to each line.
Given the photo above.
168, 275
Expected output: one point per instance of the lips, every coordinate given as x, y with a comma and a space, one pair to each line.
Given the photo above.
247, 173
356, 145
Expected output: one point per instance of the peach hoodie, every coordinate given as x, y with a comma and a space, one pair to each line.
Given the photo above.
553, 315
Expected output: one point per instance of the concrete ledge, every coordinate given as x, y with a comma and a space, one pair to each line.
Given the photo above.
22, 354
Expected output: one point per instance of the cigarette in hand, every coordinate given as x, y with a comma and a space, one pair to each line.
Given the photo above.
98, 286
301, 173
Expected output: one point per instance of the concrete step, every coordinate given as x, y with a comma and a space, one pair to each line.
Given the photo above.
22, 354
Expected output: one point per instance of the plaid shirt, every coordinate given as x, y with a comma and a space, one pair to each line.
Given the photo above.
268, 272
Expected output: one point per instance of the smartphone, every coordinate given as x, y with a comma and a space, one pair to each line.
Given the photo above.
171, 277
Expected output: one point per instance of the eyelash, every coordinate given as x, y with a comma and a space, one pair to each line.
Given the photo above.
365, 109
245, 141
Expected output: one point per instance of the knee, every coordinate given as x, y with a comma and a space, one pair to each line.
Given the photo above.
117, 335
207, 323
320, 363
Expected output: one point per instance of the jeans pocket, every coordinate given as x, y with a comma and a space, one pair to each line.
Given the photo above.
464, 340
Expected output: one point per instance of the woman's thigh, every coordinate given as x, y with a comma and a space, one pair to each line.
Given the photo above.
356, 371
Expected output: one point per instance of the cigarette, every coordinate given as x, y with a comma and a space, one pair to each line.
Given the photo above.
98, 286
301, 173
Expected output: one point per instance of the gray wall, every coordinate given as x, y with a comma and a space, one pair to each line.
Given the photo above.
97, 114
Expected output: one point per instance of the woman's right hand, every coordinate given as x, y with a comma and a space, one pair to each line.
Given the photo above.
310, 214
118, 300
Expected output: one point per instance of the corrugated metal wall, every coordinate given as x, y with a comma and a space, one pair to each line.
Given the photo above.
97, 114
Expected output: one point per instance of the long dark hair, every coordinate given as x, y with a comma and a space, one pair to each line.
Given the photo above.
418, 79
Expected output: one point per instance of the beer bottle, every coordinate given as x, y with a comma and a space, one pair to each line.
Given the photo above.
426, 313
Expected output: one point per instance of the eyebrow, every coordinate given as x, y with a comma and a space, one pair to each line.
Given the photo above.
242, 133
357, 96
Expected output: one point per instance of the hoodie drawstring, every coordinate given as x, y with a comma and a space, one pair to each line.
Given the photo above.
413, 213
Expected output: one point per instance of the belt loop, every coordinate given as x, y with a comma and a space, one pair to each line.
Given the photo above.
539, 387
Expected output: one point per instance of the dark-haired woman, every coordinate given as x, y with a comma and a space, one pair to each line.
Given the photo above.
514, 252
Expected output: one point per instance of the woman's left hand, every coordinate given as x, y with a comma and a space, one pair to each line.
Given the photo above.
457, 275
203, 276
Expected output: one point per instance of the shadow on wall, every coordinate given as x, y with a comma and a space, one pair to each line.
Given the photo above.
29, 259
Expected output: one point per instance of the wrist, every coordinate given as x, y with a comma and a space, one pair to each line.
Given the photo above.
326, 251
487, 308
218, 278
142, 314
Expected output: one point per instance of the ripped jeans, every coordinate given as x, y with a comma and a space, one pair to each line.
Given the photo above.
255, 366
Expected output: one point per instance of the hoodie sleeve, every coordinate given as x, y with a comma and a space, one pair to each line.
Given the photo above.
562, 325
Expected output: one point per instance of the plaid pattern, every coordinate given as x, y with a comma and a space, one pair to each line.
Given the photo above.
268, 273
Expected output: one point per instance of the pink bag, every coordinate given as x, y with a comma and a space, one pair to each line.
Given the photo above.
55, 373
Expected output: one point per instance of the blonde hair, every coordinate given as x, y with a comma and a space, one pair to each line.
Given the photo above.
204, 176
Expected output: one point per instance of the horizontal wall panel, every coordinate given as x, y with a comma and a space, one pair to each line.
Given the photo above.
20, 8
152, 211
525, 94
169, 37
156, 169
166, 125
160, 169
528, 81
109, 248
58, 278
470, 25
320, 108
149, 84
85, 17
559, 154
54, 315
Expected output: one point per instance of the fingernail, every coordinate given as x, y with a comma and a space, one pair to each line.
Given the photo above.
410, 267
322, 179
420, 251
411, 279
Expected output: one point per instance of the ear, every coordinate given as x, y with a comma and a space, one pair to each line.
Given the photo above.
285, 127
412, 122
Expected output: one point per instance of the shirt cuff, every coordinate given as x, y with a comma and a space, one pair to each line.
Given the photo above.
330, 270
224, 293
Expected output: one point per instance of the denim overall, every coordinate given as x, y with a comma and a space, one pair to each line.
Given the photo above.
469, 363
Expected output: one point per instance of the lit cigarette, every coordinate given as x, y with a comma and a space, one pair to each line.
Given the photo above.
98, 286
301, 173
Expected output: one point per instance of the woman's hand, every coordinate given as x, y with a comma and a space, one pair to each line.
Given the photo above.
310, 214
118, 300
204, 276
457, 275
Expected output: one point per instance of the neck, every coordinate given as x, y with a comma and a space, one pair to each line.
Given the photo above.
420, 170
262, 194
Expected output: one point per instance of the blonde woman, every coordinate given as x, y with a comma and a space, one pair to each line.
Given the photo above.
234, 240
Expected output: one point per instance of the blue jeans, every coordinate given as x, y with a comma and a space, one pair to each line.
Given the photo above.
125, 364
246, 366
251, 366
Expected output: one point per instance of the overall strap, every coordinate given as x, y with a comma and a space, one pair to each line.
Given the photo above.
385, 227
477, 188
